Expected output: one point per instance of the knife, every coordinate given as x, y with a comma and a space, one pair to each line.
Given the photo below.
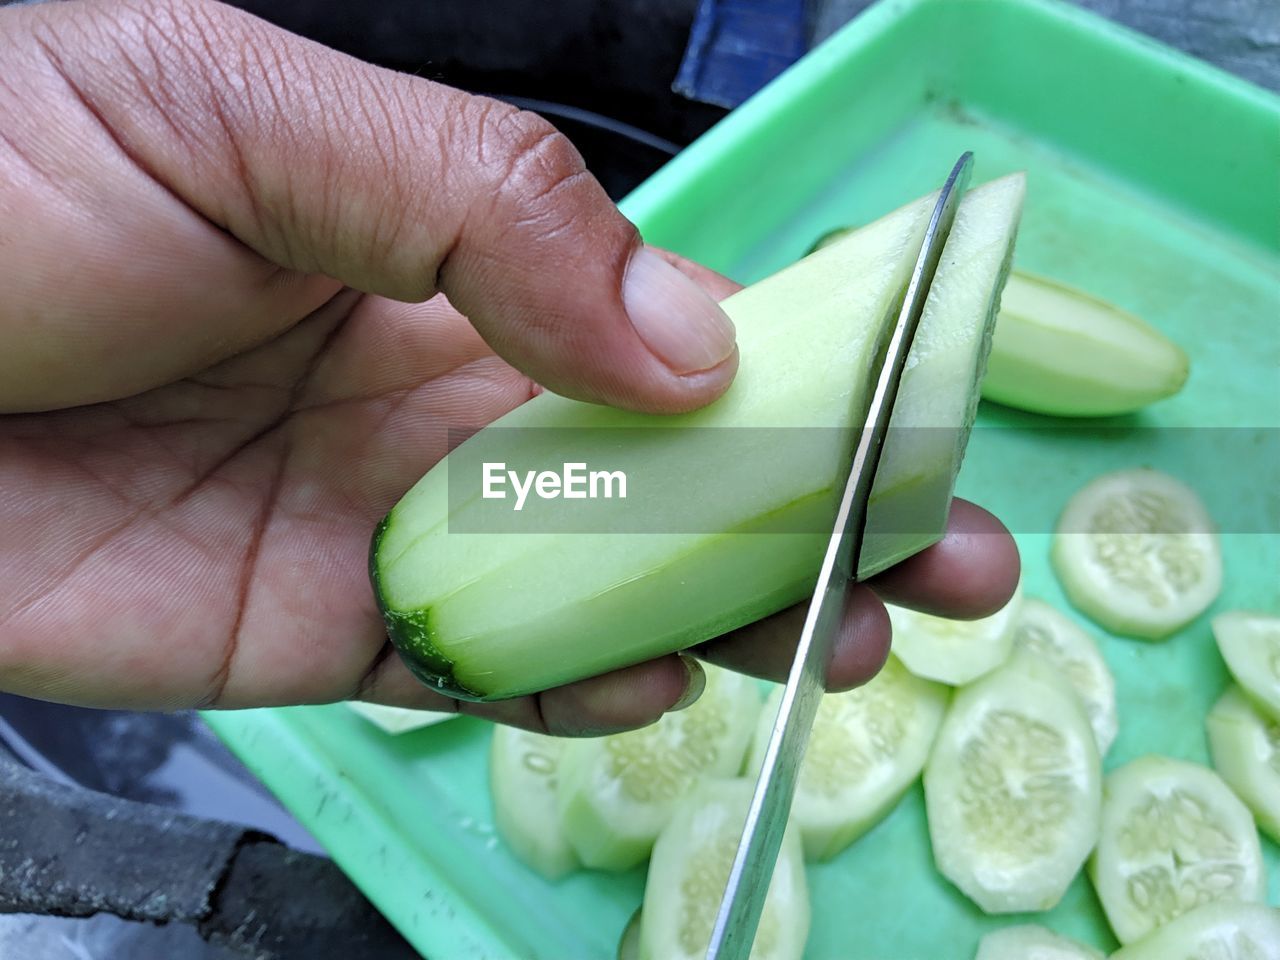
739, 915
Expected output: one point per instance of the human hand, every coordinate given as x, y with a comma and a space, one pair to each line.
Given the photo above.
226, 351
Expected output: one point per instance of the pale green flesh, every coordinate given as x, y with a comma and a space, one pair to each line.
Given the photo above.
617, 793
523, 771
1250, 644
1032, 942
953, 652
1245, 745
866, 747
1058, 350
689, 871
1013, 789
1173, 837
1216, 931
501, 614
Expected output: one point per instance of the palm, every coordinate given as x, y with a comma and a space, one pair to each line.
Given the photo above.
226, 518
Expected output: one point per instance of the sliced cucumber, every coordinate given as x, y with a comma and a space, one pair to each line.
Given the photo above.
1173, 837
1059, 350
616, 793
867, 746
689, 872
1136, 551
629, 942
1245, 746
396, 720
486, 615
1250, 643
523, 770
1046, 631
953, 651
1012, 788
1215, 931
1032, 942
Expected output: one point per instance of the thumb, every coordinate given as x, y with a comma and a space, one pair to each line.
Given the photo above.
396, 186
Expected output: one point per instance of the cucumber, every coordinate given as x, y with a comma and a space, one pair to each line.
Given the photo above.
1058, 350
867, 746
1245, 746
1013, 788
396, 720
487, 615
1215, 931
523, 770
954, 652
629, 942
1173, 837
616, 793
689, 872
1250, 643
1047, 632
1136, 551
1032, 942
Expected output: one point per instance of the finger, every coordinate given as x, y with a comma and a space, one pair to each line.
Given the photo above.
972, 572
716, 284
398, 186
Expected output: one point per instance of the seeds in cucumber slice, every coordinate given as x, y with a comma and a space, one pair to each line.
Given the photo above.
1215, 931
866, 747
954, 652
1173, 837
1245, 745
1013, 788
1136, 551
1047, 632
690, 869
1032, 942
523, 770
616, 793
1250, 643
488, 615
1061, 351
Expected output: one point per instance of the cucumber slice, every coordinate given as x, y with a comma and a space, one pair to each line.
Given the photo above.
1032, 942
1059, 350
629, 942
954, 652
1215, 931
1047, 632
486, 615
523, 770
689, 872
1013, 788
397, 720
1136, 551
616, 793
1250, 643
1173, 837
1245, 746
867, 746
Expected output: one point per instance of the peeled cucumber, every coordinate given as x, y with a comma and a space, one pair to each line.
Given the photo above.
523, 771
1215, 931
689, 871
487, 615
954, 652
616, 793
1245, 744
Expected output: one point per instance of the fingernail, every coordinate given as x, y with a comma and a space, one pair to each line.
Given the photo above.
676, 319
693, 687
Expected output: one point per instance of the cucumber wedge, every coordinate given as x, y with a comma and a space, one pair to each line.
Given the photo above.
616, 793
1250, 643
689, 871
487, 615
1173, 837
1245, 746
1061, 351
1216, 931
1043, 630
867, 746
1013, 789
954, 652
1137, 552
1032, 942
523, 770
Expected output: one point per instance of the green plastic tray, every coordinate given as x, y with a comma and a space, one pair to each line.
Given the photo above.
1152, 182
